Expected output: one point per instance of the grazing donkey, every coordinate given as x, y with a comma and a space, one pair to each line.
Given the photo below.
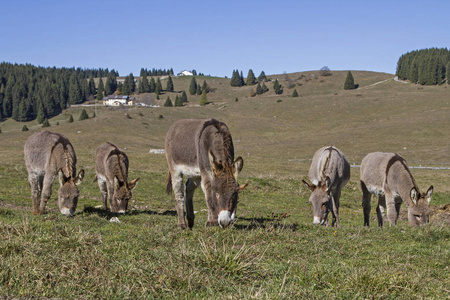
329, 173
49, 154
387, 176
111, 167
203, 151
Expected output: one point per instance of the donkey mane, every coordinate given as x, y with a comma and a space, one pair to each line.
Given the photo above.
325, 163
70, 160
398, 158
120, 158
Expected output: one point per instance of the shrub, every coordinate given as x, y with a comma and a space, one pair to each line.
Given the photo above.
24, 128
203, 99
70, 119
168, 102
295, 93
46, 123
349, 82
83, 115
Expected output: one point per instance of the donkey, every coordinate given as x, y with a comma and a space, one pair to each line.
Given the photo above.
49, 154
329, 173
111, 168
387, 176
203, 151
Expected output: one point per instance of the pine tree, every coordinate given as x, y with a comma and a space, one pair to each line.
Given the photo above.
349, 82
184, 97
277, 87
159, 85
45, 123
143, 84
262, 77
75, 95
152, 85
448, 72
237, 80
295, 93
40, 115
91, 86
24, 128
205, 86
83, 115
100, 89
178, 101
264, 88
259, 89
70, 119
203, 99
168, 102
251, 80
169, 84
199, 89
193, 86
111, 84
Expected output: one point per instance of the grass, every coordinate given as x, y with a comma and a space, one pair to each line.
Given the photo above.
273, 250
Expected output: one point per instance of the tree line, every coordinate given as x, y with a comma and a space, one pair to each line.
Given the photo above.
426, 66
156, 72
27, 91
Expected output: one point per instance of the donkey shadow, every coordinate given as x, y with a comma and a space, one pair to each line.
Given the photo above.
272, 223
108, 214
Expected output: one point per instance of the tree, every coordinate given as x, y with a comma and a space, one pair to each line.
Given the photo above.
277, 87
349, 82
237, 80
24, 128
203, 99
178, 101
264, 88
205, 86
168, 102
40, 115
70, 119
129, 86
45, 123
143, 84
259, 89
75, 95
184, 97
83, 115
158, 85
193, 86
295, 93
169, 84
251, 80
325, 71
199, 89
111, 84
262, 77
448, 72
91, 86
152, 85
100, 89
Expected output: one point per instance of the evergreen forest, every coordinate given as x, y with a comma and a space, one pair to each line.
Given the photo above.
426, 66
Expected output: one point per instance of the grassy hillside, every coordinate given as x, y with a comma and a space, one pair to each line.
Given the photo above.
273, 250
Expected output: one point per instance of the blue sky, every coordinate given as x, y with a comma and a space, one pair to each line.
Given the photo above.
216, 37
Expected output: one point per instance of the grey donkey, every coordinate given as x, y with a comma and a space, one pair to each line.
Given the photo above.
387, 176
48, 155
329, 173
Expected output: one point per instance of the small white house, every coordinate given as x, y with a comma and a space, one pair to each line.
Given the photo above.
117, 100
185, 73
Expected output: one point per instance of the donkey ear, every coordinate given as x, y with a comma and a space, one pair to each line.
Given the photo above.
133, 183
429, 193
215, 167
310, 186
414, 195
80, 177
242, 187
238, 165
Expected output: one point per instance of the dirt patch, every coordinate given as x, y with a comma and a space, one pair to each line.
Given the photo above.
12, 206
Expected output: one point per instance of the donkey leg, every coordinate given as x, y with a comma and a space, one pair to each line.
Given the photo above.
191, 186
336, 195
398, 203
36, 187
46, 192
380, 210
112, 203
366, 203
212, 215
391, 212
103, 192
178, 190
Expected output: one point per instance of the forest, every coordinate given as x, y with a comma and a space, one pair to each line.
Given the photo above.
425, 67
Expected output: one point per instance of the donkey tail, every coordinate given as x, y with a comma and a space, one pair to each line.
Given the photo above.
169, 184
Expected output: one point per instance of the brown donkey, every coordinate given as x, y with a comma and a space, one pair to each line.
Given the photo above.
329, 173
111, 167
47, 155
203, 151
387, 176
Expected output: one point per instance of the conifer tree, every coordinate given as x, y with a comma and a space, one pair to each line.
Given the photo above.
295, 93
349, 82
24, 128
184, 97
168, 102
203, 99
75, 95
83, 115
70, 119
448, 72
178, 101
199, 89
91, 86
169, 84
152, 85
46, 123
143, 86
259, 89
111, 84
251, 80
241, 77
262, 77
159, 85
204, 86
277, 87
100, 89
193, 86
40, 115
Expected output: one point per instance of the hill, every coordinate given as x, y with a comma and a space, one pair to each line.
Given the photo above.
273, 250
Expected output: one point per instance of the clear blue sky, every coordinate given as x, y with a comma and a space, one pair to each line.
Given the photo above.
216, 37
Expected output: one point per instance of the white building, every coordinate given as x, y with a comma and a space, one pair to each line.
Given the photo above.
117, 100
185, 73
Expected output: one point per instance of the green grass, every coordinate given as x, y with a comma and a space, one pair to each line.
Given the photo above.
273, 250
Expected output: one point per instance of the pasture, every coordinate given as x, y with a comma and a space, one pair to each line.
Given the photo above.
273, 250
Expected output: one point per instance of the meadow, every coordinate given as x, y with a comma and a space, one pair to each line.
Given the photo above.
273, 250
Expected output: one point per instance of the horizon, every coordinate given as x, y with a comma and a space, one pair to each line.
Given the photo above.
295, 36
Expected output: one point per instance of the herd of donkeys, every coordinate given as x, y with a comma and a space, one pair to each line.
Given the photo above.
202, 151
